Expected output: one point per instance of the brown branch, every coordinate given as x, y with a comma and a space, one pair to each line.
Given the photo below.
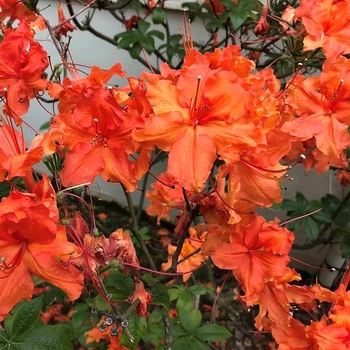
184, 226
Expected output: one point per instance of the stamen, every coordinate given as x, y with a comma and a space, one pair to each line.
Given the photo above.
7, 269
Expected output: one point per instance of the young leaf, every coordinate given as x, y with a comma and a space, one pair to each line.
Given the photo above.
190, 320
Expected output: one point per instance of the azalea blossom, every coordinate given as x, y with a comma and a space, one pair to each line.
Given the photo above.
22, 65
32, 243
327, 26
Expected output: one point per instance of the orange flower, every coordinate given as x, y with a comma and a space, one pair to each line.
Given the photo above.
15, 9
131, 22
143, 296
63, 26
96, 129
256, 253
215, 6
22, 64
32, 243
293, 336
322, 105
327, 26
251, 177
195, 117
262, 26
163, 199
15, 158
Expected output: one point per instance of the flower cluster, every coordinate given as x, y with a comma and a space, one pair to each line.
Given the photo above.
230, 132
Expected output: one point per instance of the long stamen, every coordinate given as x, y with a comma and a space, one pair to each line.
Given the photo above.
6, 269
193, 108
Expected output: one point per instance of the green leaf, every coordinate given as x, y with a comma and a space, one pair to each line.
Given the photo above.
154, 333
47, 337
158, 15
240, 12
80, 317
345, 246
150, 337
44, 126
99, 303
200, 289
212, 332
156, 316
275, 206
137, 327
142, 27
340, 232
300, 198
25, 318
322, 216
311, 228
178, 331
229, 3
184, 302
175, 39
190, 320
148, 44
330, 199
156, 33
192, 6
160, 295
135, 50
174, 293
122, 284
189, 343
127, 41
289, 205
3, 337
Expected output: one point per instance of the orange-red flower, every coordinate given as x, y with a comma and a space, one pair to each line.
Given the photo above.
165, 198
327, 26
195, 117
14, 9
293, 336
95, 126
257, 253
63, 26
15, 158
31, 242
322, 105
22, 64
